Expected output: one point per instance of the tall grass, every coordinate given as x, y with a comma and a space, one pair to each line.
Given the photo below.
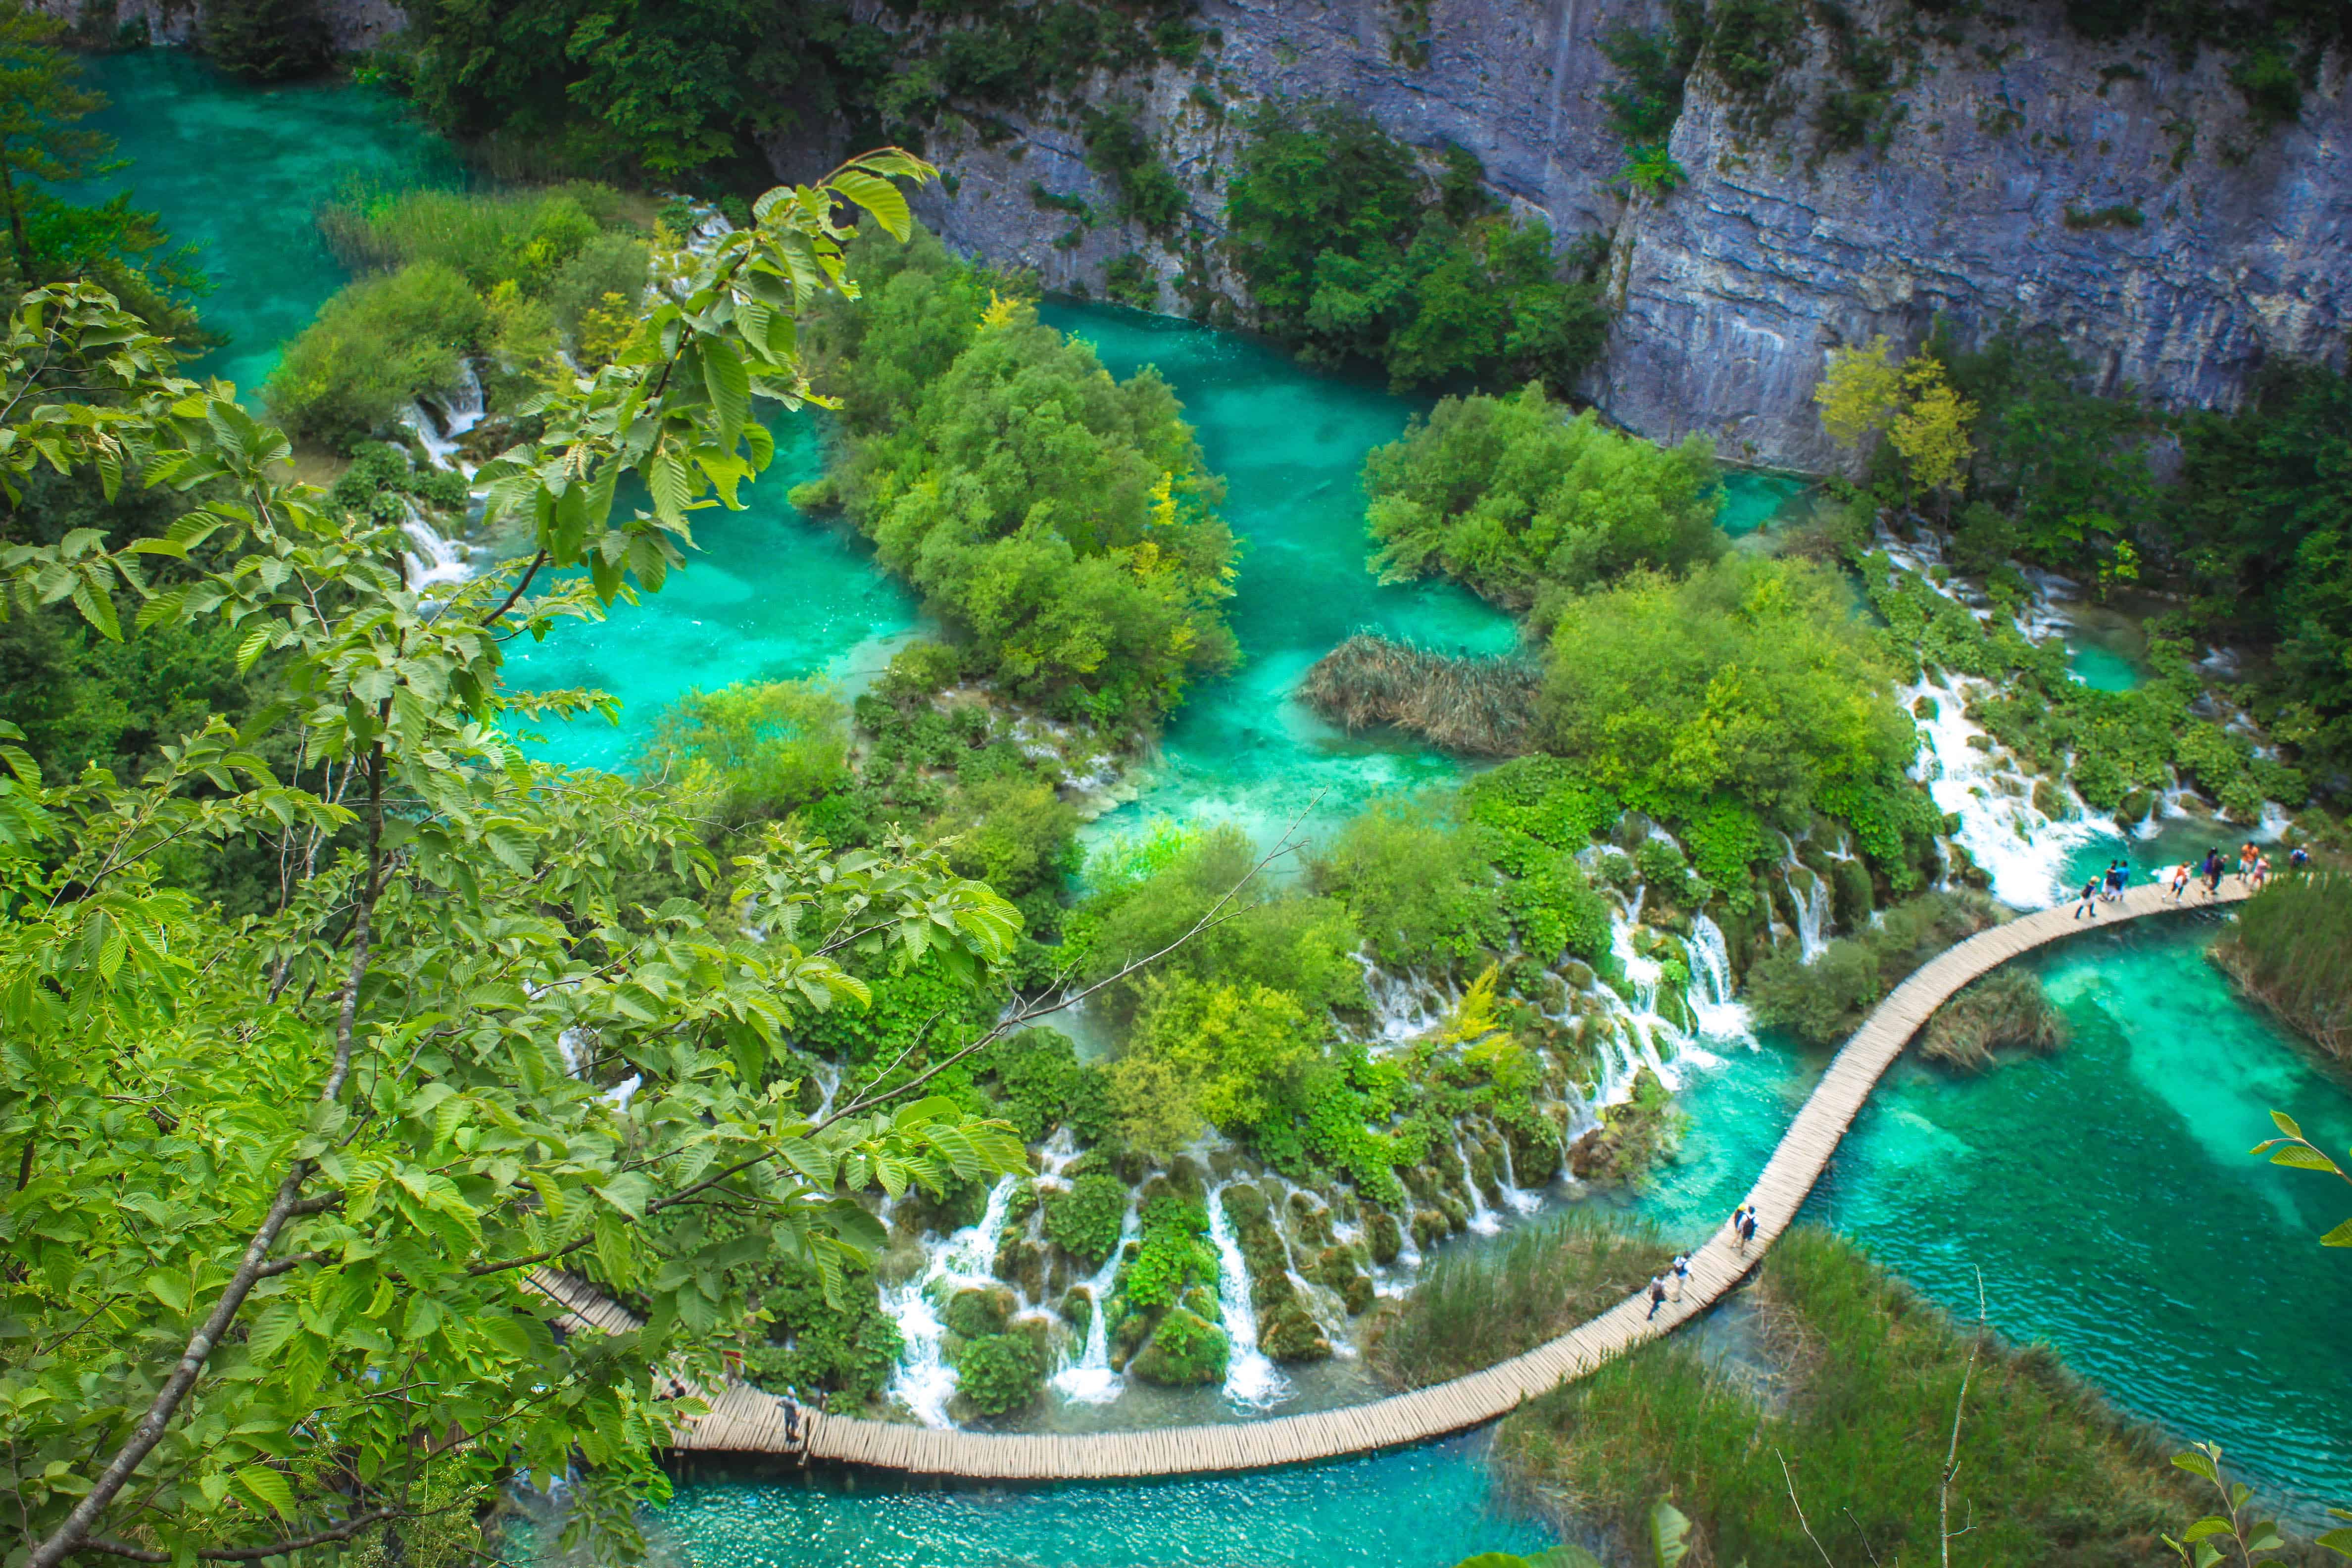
1478, 705
2048, 1473
2007, 1008
2292, 949
1473, 1308
490, 237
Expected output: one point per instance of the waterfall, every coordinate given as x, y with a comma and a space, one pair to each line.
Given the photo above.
1640, 1025
1718, 1015
437, 429
1518, 1196
1404, 1006
828, 1083
1813, 906
1482, 1218
924, 1381
1089, 1380
2022, 850
1251, 1379
434, 559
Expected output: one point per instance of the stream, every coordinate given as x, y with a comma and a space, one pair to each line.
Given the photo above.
2105, 1192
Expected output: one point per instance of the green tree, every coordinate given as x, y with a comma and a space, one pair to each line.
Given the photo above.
42, 143
266, 40
287, 1186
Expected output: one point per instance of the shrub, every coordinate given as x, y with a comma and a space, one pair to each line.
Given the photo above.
754, 750
1012, 831
2292, 949
1415, 883
1751, 680
1045, 1086
525, 238
1084, 1220
607, 266
998, 1373
378, 345
266, 40
1209, 1055
1512, 496
2005, 1008
1825, 1000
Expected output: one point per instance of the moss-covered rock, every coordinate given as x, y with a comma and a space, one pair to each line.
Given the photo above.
1184, 1349
1289, 1333
1201, 1302
1021, 1263
1126, 1332
1336, 1268
1078, 1310
979, 1312
1000, 1373
1851, 897
1383, 1234
2050, 801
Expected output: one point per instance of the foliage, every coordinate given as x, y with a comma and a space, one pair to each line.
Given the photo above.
2047, 1472
846, 1345
378, 345
1012, 831
1000, 1373
1352, 253
2291, 949
1521, 503
2261, 522
751, 751
1750, 679
1472, 1309
1206, 1055
525, 238
1864, 393
266, 40
1826, 1000
1185, 1348
1063, 521
2278, 46
1042, 1085
1172, 1255
1646, 98
44, 150
1860, 392
336, 1139
1085, 1219
1472, 704
693, 92
1119, 150
2005, 1008
1416, 884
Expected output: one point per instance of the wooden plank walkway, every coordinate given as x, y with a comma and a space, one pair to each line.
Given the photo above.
741, 1420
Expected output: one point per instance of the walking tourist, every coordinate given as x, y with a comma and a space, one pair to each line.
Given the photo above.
2180, 882
1678, 1275
1657, 1296
2090, 901
2298, 859
792, 1417
2262, 872
1747, 1229
2247, 855
2212, 872
2117, 875
1739, 1227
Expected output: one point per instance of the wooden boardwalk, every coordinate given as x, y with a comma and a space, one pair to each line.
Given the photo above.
741, 1420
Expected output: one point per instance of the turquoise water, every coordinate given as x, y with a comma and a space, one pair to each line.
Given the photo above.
2101, 668
240, 171
769, 596
2106, 1194
1291, 446
1423, 1508
1752, 498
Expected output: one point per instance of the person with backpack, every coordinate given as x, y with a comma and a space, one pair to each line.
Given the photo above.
2089, 904
1657, 1294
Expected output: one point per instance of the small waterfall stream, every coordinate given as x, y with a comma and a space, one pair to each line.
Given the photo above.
1483, 1218
1252, 1379
925, 1382
435, 560
1089, 1380
1719, 1015
1810, 897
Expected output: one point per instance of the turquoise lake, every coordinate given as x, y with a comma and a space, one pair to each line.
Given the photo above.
2105, 1192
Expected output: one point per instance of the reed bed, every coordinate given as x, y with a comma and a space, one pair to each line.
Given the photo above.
2049, 1473
1478, 705
2007, 1008
2291, 950
1473, 1308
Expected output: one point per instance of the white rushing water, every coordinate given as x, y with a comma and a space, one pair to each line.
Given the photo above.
1252, 1379
438, 428
435, 560
2020, 847
1483, 1218
1810, 897
925, 1381
1718, 1013
1089, 1380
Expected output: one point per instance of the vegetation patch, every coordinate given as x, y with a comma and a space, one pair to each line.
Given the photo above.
2291, 949
1465, 703
1473, 1308
1823, 1002
2047, 1472
2006, 1009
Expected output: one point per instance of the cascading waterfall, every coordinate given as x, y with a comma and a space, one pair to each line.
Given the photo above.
1252, 1379
1403, 1005
1719, 1016
925, 1382
1483, 1218
1810, 897
436, 561
457, 414
1089, 1380
1640, 1025
2013, 843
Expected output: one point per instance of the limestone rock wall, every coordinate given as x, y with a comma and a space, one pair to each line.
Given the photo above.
2200, 244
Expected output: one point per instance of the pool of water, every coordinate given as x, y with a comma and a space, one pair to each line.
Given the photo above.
240, 171
2106, 1194
1754, 499
1421, 1508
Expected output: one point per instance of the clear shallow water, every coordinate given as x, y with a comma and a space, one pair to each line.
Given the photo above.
1423, 1508
2106, 1194
1752, 498
240, 171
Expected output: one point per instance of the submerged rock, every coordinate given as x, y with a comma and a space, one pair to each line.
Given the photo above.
1289, 1333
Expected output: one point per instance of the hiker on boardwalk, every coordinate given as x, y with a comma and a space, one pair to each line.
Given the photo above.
1740, 1227
2262, 872
2247, 855
2298, 859
1678, 1276
2180, 882
2212, 872
2089, 904
792, 1417
1747, 1229
1657, 1294
2117, 875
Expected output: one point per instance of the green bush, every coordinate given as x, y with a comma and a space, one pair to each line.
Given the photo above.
377, 346
266, 40
1172, 1255
850, 1349
1043, 1085
525, 238
2292, 949
1352, 253
998, 1373
608, 265
1203, 1055
1823, 1002
752, 750
1518, 501
1012, 831
1751, 680
1084, 1220
1416, 884
1062, 519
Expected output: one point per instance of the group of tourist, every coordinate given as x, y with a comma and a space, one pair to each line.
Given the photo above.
2253, 873
1668, 1285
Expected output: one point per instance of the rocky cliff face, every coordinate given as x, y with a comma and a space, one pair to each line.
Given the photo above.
2031, 175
